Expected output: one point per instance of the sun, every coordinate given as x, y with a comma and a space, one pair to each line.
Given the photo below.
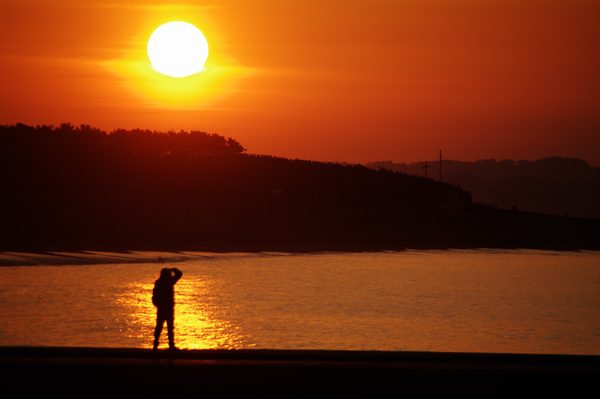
177, 49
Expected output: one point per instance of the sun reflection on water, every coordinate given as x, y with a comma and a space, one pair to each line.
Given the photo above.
200, 321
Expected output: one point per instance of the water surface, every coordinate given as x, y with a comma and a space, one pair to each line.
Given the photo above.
466, 301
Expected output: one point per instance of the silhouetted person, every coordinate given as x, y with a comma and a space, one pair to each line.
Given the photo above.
164, 299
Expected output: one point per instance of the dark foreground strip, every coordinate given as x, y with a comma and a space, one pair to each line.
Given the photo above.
138, 373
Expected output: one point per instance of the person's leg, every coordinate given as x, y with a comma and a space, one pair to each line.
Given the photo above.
170, 327
160, 320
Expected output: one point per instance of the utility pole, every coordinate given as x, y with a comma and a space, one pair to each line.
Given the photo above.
440, 166
443, 201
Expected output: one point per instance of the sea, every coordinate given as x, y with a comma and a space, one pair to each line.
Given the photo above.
485, 300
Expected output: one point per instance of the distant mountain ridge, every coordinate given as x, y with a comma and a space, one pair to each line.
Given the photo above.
554, 185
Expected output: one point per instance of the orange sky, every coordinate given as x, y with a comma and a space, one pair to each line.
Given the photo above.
338, 80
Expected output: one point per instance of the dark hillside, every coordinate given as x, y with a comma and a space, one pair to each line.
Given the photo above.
81, 188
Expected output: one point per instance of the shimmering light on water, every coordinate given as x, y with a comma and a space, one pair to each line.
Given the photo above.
472, 301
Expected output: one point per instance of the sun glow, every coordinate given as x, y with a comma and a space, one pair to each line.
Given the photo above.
178, 49
157, 77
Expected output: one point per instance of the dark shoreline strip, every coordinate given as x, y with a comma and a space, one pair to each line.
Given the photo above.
111, 372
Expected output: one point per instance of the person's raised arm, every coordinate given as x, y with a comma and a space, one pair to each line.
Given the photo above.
176, 274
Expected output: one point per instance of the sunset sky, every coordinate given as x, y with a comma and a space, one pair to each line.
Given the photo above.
333, 80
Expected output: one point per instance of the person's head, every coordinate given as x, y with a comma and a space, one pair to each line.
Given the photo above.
165, 273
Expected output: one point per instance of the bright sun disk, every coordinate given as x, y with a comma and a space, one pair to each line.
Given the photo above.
177, 49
